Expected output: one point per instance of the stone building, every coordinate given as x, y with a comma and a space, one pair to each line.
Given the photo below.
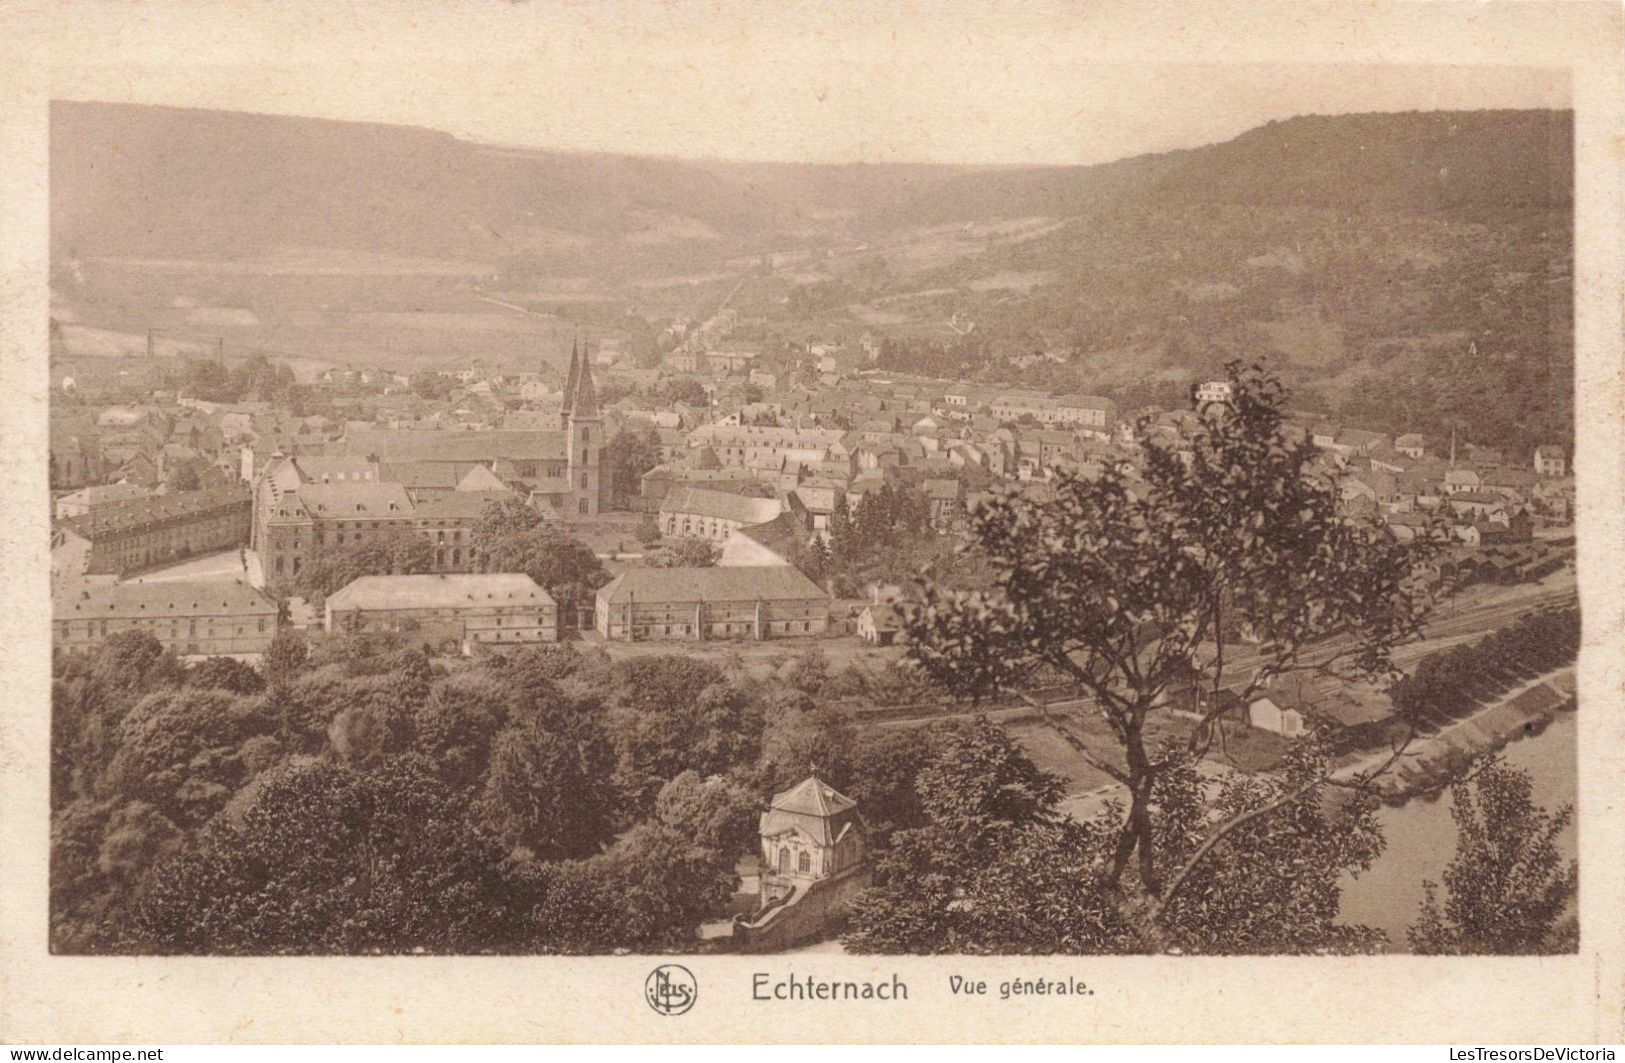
191, 618
475, 611
87, 500
701, 513
748, 602
139, 533
809, 832
336, 516
813, 863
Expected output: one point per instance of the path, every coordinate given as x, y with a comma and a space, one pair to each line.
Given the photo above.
1441, 740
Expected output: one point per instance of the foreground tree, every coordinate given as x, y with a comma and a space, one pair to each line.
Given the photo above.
997, 868
327, 859
1129, 583
1508, 886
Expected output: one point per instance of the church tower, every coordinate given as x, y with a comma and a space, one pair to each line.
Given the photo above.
569, 391
583, 439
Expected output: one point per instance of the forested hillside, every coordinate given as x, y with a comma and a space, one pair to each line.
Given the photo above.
1410, 270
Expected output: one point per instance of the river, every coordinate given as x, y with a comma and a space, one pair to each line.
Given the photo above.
1422, 838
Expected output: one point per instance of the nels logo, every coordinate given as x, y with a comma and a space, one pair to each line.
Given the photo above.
670, 989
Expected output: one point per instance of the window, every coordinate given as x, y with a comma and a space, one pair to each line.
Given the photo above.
784, 859
586, 434
803, 862
583, 481
582, 507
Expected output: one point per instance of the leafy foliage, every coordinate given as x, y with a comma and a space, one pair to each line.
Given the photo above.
1123, 582
512, 537
1508, 888
328, 571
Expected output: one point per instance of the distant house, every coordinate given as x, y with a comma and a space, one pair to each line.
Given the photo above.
472, 610
191, 618
1461, 480
748, 602
1267, 715
1411, 444
1549, 461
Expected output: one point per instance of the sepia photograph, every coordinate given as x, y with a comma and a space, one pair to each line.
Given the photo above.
1067, 506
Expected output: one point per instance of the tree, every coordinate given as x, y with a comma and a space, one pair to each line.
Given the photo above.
631, 453
800, 736
509, 541
177, 749
685, 553
668, 714
1123, 583
686, 390
718, 814
499, 519
993, 868
400, 554
548, 787
431, 385
649, 892
457, 723
330, 859
1508, 887
226, 673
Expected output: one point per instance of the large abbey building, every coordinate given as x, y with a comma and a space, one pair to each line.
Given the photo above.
386, 482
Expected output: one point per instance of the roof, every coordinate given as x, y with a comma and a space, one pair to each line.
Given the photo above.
783, 534
105, 494
1087, 402
167, 598
738, 584
118, 517
460, 505
335, 467
426, 474
723, 505
442, 591
812, 806
812, 797
339, 500
458, 446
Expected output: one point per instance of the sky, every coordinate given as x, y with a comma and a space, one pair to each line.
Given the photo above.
835, 82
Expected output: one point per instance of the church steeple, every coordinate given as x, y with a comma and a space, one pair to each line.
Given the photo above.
570, 379
583, 448
584, 400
